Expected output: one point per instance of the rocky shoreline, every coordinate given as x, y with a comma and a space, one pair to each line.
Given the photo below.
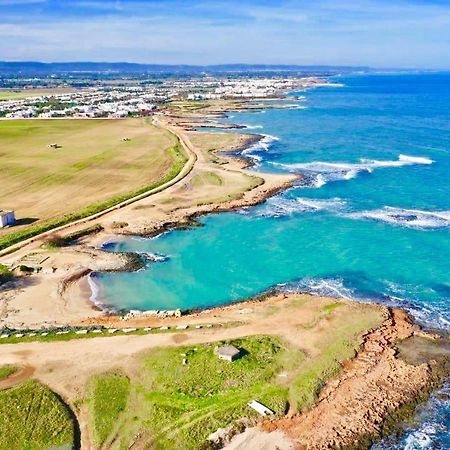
374, 394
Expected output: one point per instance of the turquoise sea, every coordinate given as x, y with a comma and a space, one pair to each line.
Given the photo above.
370, 218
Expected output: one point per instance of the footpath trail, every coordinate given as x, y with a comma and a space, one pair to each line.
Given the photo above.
193, 154
23, 374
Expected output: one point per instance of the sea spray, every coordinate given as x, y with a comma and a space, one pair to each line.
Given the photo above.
410, 218
319, 172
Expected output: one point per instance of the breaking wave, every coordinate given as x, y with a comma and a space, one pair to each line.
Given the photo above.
324, 287
316, 174
261, 146
434, 314
153, 257
280, 206
432, 432
411, 218
95, 289
252, 127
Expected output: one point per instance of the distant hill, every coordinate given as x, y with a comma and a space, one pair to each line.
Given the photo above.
43, 69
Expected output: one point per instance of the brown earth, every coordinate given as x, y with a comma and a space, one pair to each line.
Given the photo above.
353, 408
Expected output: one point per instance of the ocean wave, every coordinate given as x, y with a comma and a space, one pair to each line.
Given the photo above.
153, 257
323, 287
261, 146
432, 431
280, 206
319, 173
252, 127
410, 218
95, 289
425, 314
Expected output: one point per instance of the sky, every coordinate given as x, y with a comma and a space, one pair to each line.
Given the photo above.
377, 33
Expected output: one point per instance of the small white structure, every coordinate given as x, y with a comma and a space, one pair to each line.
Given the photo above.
260, 408
228, 352
7, 218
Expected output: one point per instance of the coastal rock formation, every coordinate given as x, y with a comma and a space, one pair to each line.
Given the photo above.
355, 408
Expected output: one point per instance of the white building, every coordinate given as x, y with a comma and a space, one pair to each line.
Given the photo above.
7, 218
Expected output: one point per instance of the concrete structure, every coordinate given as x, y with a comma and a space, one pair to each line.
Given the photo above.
7, 218
260, 408
228, 352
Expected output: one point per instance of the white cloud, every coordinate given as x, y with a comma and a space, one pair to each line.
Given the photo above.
324, 32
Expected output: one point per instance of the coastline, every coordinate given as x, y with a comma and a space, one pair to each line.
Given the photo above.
227, 156
77, 309
374, 391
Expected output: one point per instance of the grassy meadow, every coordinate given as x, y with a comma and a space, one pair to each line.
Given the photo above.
32, 417
6, 371
91, 170
170, 404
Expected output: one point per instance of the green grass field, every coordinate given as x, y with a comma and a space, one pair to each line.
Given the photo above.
14, 95
91, 171
6, 371
206, 179
109, 395
5, 274
172, 405
178, 406
33, 418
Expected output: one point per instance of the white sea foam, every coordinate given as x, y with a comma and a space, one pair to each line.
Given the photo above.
95, 289
252, 127
327, 287
432, 429
280, 206
411, 218
319, 173
262, 145
154, 257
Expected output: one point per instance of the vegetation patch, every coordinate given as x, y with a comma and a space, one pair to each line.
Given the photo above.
184, 394
331, 307
338, 345
179, 396
33, 417
206, 178
5, 274
56, 241
108, 399
6, 371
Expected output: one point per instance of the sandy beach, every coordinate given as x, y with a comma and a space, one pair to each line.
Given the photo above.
64, 299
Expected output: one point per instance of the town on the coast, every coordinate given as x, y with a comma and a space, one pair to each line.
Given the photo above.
144, 97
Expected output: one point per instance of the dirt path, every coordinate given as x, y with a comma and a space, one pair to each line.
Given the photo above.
23, 374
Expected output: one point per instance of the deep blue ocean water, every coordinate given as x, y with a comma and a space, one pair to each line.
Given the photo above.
370, 218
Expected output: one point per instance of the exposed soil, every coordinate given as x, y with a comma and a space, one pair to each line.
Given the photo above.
361, 403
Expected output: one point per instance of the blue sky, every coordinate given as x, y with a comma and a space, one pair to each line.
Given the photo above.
383, 33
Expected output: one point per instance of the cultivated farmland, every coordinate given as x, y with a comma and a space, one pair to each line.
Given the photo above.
95, 163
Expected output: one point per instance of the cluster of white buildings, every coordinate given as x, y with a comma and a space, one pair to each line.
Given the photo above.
249, 87
125, 101
83, 104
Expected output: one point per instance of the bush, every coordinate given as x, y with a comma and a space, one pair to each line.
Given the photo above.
5, 274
